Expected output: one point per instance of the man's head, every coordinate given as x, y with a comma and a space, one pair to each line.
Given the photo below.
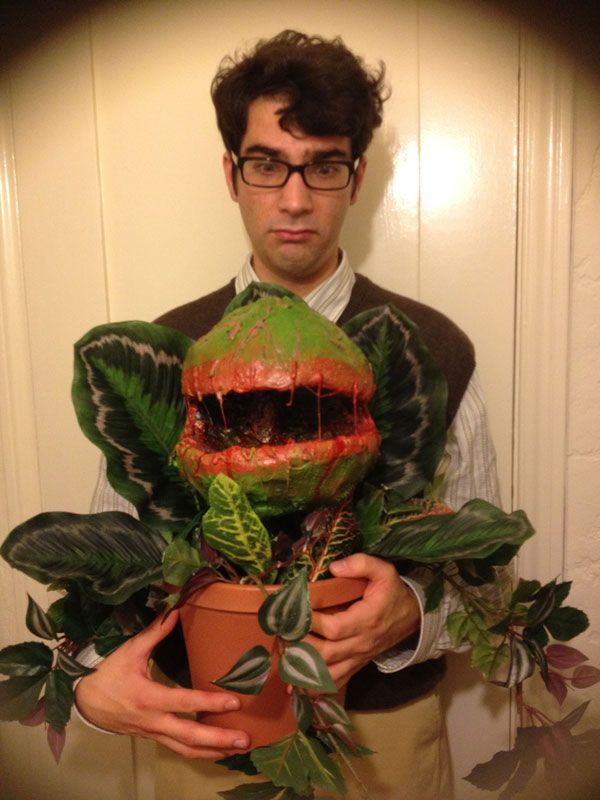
329, 91
296, 116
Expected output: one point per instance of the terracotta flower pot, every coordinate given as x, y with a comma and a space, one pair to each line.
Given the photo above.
220, 624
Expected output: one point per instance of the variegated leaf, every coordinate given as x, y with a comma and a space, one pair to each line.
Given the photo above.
287, 612
331, 712
232, 527
409, 405
521, 664
109, 555
128, 401
36, 619
476, 531
301, 665
248, 675
303, 710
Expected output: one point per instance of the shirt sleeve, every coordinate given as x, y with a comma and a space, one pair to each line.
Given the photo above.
469, 465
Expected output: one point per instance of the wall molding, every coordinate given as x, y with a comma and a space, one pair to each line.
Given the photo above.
542, 301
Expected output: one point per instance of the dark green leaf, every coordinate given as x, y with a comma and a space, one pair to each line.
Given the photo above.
249, 673
106, 645
232, 527
287, 612
303, 710
180, 561
128, 401
409, 405
322, 770
109, 555
77, 615
19, 696
72, 667
543, 605
36, 619
27, 659
565, 623
476, 531
561, 591
331, 712
537, 634
59, 699
370, 512
434, 592
263, 791
525, 591
240, 762
301, 665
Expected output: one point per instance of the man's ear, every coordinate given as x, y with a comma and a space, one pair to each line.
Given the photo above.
358, 178
230, 171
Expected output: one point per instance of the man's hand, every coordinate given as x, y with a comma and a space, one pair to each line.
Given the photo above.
387, 614
120, 697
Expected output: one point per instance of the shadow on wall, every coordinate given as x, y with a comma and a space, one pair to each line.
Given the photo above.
575, 26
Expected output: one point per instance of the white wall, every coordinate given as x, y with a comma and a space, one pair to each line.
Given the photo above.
114, 207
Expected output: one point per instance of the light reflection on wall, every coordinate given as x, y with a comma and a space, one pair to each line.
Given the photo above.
443, 171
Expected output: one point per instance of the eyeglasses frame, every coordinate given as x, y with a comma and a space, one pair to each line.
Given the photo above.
239, 161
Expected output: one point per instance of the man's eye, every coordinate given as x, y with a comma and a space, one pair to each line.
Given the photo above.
266, 168
327, 169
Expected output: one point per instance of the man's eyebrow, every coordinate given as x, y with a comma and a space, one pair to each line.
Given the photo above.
311, 155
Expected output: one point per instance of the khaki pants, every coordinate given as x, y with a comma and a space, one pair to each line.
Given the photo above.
411, 761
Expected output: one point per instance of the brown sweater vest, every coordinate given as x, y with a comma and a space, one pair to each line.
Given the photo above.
369, 689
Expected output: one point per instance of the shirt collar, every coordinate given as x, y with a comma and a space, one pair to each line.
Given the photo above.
330, 298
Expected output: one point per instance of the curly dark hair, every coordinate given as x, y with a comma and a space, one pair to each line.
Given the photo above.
329, 90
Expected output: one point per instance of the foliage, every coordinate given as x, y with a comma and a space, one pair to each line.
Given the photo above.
116, 572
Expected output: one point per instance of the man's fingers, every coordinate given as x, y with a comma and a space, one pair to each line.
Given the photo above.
144, 642
191, 752
182, 701
360, 565
196, 735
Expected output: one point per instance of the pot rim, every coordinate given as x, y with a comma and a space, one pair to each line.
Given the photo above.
247, 598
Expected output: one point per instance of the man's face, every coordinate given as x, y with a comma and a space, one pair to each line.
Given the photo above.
294, 230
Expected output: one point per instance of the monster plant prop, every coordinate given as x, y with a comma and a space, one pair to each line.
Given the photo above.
293, 443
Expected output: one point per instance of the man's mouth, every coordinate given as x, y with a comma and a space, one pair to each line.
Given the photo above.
293, 234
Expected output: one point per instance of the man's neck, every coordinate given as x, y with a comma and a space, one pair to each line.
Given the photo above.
300, 285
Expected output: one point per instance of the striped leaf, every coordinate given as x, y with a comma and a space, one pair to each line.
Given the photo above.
301, 665
37, 621
109, 555
128, 401
476, 531
248, 675
232, 527
29, 659
287, 612
331, 712
409, 405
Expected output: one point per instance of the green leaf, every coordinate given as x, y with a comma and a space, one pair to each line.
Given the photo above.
287, 612
71, 667
128, 401
537, 634
434, 592
232, 527
303, 710
249, 673
239, 762
457, 625
331, 712
301, 665
76, 615
334, 539
409, 405
109, 555
565, 623
19, 696
488, 657
476, 531
28, 659
300, 763
180, 561
525, 591
59, 699
262, 791
36, 619
370, 513
543, 605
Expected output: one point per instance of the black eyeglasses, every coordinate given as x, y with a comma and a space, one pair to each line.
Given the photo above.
270, 173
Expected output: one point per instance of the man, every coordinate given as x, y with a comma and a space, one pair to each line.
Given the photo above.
296, 116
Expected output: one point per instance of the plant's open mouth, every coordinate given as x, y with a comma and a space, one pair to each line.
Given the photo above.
268, 417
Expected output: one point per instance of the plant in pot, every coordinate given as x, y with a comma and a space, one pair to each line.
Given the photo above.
292, 444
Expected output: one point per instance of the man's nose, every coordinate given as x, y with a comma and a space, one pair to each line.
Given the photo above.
295, 197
